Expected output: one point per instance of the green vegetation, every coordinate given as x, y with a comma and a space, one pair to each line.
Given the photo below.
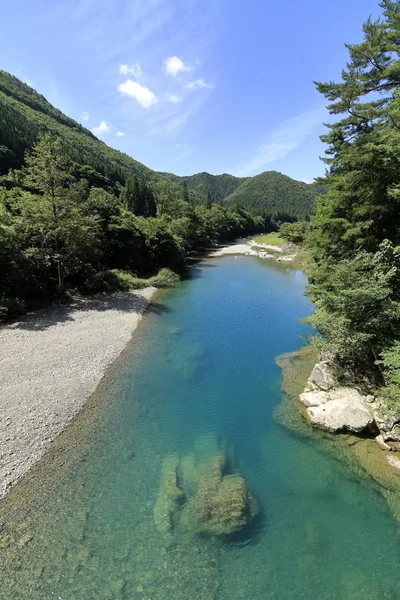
276, 194
61, 234
218, 186
269, 194
274, 239
354, 237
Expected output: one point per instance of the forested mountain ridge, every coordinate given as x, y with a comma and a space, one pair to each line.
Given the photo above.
219, 186
25, 114
269, 193
274, 193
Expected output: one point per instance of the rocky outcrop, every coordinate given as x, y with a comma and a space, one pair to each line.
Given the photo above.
336, 408
344, 409
322, 377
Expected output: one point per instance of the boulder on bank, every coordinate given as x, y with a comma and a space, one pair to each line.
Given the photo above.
341, 409
322, 377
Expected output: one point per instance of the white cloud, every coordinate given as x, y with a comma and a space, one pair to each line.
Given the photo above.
173, 98
85, 116
142, 94
120, 134
198, 84
101, 129
283, 140
174, 65
135, 70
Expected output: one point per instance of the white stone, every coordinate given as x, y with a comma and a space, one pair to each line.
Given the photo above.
313, 398
381, 443
345, 410
322, 376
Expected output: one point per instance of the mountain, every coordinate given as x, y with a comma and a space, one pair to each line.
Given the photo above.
219, 186
274, 193
24, 114
268, 193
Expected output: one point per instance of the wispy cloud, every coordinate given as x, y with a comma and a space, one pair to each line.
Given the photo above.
85, 116
120, 134
198, 84
174, 65
173, 98
286, 138
145, 97
135, 70
101, 129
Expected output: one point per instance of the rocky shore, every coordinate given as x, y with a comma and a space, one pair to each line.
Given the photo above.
337, 408
50, 363
285, 253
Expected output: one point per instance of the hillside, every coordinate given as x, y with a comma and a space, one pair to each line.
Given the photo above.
268, 193
219, 186
24, 114
274, 193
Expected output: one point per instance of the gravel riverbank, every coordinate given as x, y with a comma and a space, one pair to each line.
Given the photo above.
50, 364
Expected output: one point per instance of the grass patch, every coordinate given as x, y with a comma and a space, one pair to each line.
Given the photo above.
273, 238
115, 280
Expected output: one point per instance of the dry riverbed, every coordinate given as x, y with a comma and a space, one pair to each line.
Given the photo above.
50, 364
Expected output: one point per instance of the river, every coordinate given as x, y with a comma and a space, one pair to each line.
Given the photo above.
199, 372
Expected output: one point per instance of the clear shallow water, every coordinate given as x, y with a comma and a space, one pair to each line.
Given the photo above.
201, 366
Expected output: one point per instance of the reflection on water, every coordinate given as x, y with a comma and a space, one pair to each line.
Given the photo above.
200, 376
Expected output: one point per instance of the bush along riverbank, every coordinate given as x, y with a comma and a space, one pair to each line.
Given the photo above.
354, 246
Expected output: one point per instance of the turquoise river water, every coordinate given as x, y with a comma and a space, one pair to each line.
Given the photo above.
200, 373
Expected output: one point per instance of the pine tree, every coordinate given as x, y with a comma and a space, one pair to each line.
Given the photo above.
185, 192
208, 203
54, 220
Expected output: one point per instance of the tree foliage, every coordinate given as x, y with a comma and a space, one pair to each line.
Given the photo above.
354, 235
59, 232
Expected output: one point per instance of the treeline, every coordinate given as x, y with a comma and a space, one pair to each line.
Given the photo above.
60, 233
269, 194
354, 237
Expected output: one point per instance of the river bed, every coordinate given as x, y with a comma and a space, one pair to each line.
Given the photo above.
201, 369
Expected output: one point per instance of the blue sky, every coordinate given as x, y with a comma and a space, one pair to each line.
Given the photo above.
189, 85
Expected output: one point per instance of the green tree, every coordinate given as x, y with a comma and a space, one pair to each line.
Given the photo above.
54, 220
185, 192
354, 278
208, 203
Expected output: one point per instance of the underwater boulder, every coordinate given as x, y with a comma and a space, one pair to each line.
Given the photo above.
223, 503
170, 496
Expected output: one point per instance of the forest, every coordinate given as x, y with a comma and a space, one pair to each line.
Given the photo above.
354, 277
78, 217
61, 234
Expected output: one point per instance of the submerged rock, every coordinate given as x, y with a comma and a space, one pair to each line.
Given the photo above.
170, 496
201, 494
223, 504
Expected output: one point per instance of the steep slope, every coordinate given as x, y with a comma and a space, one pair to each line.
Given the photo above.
24, 114
274, 193
219, 186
